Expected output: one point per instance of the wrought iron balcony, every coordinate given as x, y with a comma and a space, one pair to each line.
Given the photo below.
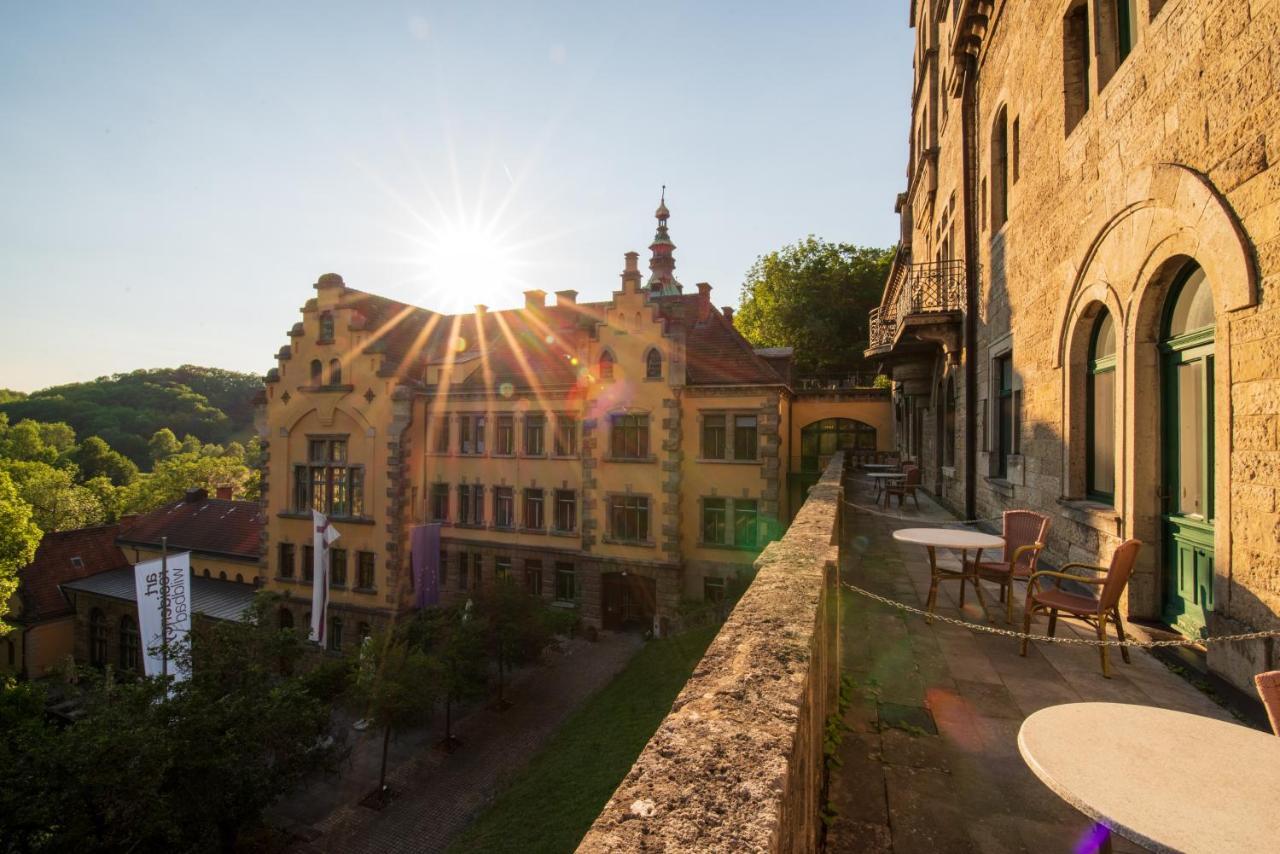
927, 292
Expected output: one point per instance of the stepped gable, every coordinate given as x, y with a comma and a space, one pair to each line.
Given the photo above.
199, 523
61, 557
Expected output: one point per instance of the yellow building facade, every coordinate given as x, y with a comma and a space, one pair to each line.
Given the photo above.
614, 457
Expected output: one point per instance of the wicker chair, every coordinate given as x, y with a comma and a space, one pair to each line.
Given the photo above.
1024, 535
1269, 690
908, 486
1093, 611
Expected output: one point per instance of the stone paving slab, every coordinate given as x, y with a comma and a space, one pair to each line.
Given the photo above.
900, 788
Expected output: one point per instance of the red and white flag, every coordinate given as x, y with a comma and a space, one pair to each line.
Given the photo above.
324, 534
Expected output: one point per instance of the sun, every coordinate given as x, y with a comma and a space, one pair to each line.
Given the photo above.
467, 264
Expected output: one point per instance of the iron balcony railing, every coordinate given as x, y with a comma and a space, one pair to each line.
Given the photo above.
850, 382
931, 287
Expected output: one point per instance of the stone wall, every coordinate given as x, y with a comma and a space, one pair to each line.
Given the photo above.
737, 764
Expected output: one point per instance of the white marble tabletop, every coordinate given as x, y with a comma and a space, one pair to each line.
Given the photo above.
1169, 781
948, 538
879, 466
886, 475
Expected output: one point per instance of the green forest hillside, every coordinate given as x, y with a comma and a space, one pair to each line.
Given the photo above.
125, 410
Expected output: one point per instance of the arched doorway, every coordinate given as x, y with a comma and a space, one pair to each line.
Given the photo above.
1187, 425
628, 601
821, 439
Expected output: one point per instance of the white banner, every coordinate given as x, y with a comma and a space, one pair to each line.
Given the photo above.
323, 535
147, 579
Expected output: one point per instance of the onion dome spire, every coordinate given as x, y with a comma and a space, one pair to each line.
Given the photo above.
662, 262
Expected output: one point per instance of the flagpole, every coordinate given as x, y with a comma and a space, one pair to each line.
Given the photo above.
164, 606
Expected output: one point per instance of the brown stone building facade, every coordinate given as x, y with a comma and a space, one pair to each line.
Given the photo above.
1082, 317
615, 457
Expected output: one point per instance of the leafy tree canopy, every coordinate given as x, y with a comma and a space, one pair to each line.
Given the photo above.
125, 410
19, 537
814, 296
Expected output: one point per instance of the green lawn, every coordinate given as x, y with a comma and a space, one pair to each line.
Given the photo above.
550, 804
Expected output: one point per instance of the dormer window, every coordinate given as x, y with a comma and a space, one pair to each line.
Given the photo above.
326, 327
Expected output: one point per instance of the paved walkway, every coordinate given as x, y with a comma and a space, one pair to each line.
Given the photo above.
931, 762
438, 793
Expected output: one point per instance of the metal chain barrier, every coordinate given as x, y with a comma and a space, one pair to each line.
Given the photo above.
1010, 633
862, 508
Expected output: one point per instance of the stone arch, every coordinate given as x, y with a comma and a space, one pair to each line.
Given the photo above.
1168, 210
355, 415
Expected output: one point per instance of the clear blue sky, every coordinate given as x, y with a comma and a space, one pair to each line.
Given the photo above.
175, 175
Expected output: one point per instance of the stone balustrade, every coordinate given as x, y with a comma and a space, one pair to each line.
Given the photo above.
737, 765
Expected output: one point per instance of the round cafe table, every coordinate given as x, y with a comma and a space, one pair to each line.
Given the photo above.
882, 479
1203, 784
956, 540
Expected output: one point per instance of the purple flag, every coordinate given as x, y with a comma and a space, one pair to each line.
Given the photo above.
424, 548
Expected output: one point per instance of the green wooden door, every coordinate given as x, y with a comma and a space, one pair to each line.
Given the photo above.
1188, 470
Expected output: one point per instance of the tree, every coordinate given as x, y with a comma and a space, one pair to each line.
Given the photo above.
455, 638
24, 442
173, 476
19, 537
57, 502
395, 686
515, 630
163, 444
58, 436
154, 766
814, 296
96, 459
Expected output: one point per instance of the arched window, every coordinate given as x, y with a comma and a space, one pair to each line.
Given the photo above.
326, 327
1188, 392
363, 631
335, 372
1000, 170
606, 365
286, 618
222, 576
821, 439
1192, 308
97, 638
335, 634
130, 644
317, 372
653, 364
1100, 411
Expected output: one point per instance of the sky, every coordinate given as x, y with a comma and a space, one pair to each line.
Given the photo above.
175, 176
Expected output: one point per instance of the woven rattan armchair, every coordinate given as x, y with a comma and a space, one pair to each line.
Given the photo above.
1024, 535
908, 486
1093, 611
1269, 690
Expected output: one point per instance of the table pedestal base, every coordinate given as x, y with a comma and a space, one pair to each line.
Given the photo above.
965, 575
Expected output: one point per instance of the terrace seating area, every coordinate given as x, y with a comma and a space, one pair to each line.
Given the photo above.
930, 760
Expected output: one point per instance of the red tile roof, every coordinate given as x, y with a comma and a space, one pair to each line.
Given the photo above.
55, 563
210, 525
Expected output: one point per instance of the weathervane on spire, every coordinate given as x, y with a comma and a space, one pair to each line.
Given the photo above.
662, 280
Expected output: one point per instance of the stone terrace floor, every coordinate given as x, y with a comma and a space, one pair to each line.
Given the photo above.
931, 760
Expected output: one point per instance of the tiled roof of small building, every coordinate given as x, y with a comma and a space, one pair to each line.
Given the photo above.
221, 600
64, 556
201, 524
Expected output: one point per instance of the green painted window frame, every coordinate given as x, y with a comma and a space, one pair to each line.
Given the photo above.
1185, 349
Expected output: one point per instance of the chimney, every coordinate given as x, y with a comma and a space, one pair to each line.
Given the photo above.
566, 297
481, 308
224, 492
195, 495
704, 301
631, 273
535, 298
727, 311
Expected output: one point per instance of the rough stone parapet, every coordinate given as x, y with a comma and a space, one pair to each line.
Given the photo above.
737, 764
